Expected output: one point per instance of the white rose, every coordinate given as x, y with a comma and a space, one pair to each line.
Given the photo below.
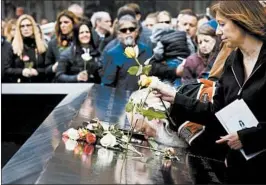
90, 127
108, 140
86, 56
125, 138
70, 144
104, 156
72, 134
155, 82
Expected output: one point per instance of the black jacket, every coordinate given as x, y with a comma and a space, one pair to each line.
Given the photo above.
71, 63
6, 59
253, 92
16, 65
52, 56
175, 45
100, 43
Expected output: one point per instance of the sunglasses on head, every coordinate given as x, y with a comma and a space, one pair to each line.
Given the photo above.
167, 22
25, 25
124, 30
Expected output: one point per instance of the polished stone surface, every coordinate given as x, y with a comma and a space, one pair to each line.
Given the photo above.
43, 159
29, 161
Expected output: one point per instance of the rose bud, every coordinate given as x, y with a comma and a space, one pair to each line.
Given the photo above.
90, 138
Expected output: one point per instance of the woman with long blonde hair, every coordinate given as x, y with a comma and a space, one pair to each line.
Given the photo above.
29, 50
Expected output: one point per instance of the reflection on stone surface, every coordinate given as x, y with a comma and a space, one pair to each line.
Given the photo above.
105, 166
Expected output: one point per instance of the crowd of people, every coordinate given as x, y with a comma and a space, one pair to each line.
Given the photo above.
90, 49
228, 48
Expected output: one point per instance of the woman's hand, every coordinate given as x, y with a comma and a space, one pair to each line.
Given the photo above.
82, 76
232, 140
33, 72
26, 72
165, 94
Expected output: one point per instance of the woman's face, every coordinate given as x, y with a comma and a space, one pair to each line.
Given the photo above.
84, 34
206, 43
66, 25
26, 28
128, 30
230, 33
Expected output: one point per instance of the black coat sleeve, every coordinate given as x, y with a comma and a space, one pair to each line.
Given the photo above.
190, 109
163, 71
50, 58
9, 65
63, 64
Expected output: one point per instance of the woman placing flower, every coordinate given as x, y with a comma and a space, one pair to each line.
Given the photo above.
27, 64
116, 64
65, 22
79, 63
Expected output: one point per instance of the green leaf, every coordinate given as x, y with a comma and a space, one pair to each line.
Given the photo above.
129, 106
153, 144
133, 70
152, 114
146, 69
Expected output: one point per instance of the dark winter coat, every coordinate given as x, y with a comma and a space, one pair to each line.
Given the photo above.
15, 67
230, 87
52, 56
71, 63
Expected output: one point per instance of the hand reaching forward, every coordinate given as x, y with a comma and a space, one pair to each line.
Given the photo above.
166, 93
232, 140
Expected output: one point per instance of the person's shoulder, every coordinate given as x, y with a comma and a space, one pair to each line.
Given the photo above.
145, 31
143, 45
193, 57
52, 42
115, 49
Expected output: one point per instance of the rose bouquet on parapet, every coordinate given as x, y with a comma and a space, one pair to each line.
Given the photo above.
111, 136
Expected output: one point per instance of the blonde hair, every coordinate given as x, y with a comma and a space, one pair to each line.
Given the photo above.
18, 44
8, 29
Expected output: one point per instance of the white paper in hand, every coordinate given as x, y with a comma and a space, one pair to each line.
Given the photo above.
237, 116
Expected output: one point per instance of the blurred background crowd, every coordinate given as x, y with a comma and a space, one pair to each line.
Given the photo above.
77, 42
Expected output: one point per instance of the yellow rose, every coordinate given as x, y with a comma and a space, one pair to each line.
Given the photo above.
145, 81
130, 52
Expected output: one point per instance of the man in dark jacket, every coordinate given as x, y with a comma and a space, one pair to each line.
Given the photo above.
102, 30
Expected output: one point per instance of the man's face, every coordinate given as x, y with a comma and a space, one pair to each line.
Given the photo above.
128, 30
188, 24
105, 23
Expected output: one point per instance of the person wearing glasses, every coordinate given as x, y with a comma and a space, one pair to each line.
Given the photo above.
27, 64
79, 63
242, 27
65, 22
116, 64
